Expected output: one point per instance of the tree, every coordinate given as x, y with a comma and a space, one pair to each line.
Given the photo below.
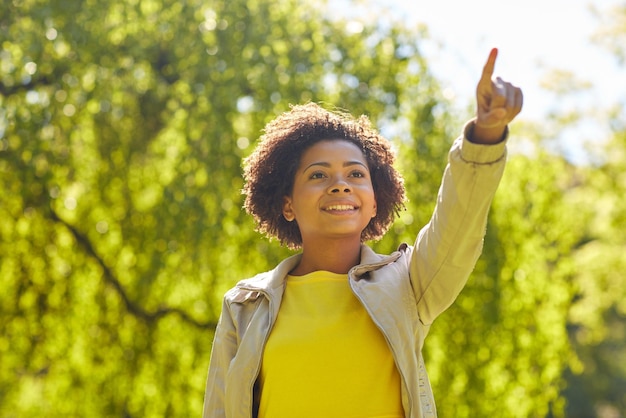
122, 129
595, 376
597, 318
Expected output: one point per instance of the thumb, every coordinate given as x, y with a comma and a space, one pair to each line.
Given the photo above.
493, 117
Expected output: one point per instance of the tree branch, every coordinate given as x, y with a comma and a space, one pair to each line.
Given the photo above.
112, 280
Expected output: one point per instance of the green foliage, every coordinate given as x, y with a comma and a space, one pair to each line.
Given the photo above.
122, 129
597, 318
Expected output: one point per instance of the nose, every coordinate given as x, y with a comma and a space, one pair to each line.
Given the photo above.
339, 186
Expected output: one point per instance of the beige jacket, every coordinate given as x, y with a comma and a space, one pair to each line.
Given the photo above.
403, 292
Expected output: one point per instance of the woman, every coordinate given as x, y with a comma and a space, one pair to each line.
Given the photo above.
337, 330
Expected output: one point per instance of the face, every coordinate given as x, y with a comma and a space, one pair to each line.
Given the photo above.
332, 195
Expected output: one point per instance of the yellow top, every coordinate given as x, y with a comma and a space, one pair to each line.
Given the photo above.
325, 357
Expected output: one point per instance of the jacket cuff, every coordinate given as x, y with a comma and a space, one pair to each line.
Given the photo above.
482, 153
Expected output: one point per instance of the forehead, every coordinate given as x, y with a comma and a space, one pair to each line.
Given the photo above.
332, 150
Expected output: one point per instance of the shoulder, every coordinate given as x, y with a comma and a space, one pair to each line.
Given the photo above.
248, 289
374, 264
269, 283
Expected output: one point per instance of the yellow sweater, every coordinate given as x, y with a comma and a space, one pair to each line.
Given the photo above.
325, 357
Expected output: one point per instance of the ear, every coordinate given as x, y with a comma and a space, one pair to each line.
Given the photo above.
288, 213
374, 214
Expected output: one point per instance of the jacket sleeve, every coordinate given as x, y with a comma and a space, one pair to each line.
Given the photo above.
223, 351
447, 248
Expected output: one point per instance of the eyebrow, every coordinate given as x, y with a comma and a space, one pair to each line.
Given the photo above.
345, 164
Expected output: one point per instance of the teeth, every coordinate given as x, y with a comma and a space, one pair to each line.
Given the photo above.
340, 207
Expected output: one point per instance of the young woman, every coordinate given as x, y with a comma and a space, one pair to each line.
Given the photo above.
337, 330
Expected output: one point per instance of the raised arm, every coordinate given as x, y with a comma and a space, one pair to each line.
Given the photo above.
447, 248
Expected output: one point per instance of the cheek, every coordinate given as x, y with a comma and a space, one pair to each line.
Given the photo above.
373, 194
371, 200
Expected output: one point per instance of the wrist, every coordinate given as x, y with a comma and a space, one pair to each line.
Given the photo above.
486, 135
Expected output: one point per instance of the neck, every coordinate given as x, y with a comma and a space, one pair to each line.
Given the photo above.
336, 256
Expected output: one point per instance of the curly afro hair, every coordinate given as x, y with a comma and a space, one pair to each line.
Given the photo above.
270, 170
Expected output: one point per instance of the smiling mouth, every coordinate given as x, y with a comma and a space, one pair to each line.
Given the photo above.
340, 208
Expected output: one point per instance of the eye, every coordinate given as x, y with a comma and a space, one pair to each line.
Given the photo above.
317, 175
357, 174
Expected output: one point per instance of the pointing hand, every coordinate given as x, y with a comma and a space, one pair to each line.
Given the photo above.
498, 102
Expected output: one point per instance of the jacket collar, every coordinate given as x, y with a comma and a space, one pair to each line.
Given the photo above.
273, 281
371, 261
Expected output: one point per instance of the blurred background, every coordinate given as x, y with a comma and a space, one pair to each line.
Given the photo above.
122, 129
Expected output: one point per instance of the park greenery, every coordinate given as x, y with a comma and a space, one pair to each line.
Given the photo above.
123, 124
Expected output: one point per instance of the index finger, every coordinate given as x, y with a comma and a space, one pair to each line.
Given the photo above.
489, 65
